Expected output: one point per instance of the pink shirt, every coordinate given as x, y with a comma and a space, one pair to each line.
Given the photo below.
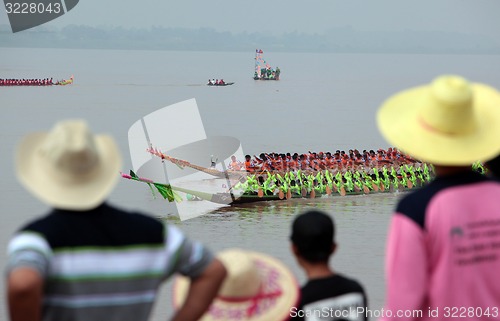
443, 252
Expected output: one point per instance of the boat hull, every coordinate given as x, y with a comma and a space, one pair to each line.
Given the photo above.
221, 85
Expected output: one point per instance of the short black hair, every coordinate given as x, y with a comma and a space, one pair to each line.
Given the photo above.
313, 233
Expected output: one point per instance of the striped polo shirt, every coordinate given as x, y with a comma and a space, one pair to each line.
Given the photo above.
103, 264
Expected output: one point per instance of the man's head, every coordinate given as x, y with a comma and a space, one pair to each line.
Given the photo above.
313, 234
69, 167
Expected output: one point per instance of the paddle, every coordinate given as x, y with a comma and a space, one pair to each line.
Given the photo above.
328, 190
288, 194
366, 190
281, 195
375, 187
382, 186
312, 194
260, 192
342, 191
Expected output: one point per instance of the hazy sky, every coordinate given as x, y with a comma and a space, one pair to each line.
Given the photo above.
279, 16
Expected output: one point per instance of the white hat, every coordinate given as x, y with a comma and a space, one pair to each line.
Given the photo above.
257, 287
69, 167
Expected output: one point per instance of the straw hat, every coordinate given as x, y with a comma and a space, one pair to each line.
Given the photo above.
68, 168
257, 287
448, 122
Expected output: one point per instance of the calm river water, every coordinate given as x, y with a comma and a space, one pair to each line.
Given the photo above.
323, 102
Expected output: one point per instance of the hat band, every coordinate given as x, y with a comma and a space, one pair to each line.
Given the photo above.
430, 128
254, 299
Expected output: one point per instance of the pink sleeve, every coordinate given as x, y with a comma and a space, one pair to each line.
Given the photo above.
406, 268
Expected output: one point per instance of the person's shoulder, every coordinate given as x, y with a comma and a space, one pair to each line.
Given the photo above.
133, 215
338, 283
414, 204
349, 283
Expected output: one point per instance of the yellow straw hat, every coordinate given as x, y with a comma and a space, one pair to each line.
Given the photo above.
448, 122
258, 287
69, 167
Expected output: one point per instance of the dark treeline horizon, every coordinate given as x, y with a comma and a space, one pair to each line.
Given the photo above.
337, 40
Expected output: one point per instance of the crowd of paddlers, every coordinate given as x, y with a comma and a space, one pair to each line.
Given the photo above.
359, 179
325, 172
312, 174
27, 82
340, 160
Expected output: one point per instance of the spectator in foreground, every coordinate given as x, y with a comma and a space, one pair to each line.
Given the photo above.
258, 287
313, 242
86, 259
441, 255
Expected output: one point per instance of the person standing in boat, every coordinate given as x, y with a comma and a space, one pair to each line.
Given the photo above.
441, 250
235, 164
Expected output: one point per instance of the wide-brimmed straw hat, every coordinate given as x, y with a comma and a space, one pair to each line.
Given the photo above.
257, 287
68, 167
448, 122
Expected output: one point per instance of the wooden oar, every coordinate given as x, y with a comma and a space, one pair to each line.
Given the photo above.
342, 191
382, 186
366, 190
328, 190
375, 187
409, 184
303, 192
281, 195
260, 192
288, 194
312, 194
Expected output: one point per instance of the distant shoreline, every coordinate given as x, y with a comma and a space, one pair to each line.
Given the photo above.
341, 40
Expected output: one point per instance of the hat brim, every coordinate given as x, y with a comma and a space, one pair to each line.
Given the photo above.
398, 121
274, 274
80, 193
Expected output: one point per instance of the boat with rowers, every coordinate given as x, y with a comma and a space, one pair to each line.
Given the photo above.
258, 189
267, 184
217, 82
35, 82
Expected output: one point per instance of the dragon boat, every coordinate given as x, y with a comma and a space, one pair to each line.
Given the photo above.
168, 192
260, 186
35, 82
